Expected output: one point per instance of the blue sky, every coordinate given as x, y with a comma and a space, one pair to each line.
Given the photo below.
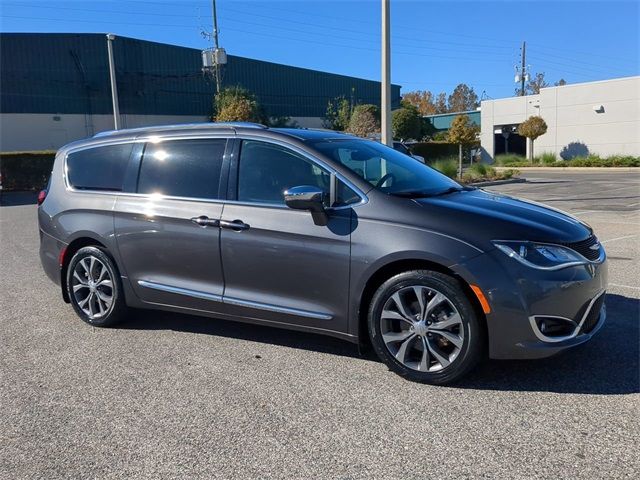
435, 44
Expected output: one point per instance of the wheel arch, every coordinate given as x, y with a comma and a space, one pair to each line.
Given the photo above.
69, 252
388, 270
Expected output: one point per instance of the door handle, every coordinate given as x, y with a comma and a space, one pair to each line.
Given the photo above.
236, 225
205, 221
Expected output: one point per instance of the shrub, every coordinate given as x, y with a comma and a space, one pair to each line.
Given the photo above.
447, 167
596, 161
365, 120
237, 104
338, 114
508, 159
480, 169
26, 170
509, 173
546, 159
406, 124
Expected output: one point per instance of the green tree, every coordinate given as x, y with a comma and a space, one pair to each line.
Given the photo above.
463, 99
532, 128
338, 114
406, 122
365, 120
237, 104
464, 134
560, 83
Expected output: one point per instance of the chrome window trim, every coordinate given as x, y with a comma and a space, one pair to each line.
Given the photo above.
234, 301
541, 336
105, 141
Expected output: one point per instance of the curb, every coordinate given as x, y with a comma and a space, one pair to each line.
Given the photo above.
570, 169
498, 182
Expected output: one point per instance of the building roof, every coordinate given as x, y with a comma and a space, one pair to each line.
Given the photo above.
68, 73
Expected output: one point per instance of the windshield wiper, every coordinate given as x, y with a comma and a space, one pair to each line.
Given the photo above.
424, 194
448, 190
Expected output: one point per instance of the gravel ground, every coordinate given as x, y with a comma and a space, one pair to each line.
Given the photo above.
174, 396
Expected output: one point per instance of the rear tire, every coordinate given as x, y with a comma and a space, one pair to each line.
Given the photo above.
423, 326
94, 288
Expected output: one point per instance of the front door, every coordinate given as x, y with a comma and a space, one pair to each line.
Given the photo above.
278, 265
168, 233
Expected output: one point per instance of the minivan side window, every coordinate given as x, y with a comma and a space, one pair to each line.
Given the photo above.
182, 168
99, 168
267, 170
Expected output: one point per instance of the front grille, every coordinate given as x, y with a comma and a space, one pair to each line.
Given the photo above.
583, 248
594, 315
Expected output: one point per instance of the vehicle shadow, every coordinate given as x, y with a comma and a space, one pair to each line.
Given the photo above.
607, 365
159, 320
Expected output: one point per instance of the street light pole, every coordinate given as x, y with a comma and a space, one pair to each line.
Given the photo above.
114, 86
387, 136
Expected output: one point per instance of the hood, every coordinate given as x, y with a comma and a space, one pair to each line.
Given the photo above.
481, 215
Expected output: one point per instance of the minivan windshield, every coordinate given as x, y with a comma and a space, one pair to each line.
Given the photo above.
386, 169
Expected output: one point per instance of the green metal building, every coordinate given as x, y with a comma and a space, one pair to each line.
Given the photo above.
55, 88
442, 122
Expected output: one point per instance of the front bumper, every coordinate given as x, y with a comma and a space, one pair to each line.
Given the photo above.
522, 299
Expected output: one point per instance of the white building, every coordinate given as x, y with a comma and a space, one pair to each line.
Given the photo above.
601, 118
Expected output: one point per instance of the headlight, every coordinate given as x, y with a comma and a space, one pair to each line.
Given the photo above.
542, 256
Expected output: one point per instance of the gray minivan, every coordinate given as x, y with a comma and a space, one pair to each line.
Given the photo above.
321, 232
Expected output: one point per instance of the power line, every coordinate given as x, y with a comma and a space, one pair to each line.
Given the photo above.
420, 43
247, 32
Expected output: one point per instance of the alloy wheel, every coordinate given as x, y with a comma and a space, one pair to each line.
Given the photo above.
92, 287
422, 328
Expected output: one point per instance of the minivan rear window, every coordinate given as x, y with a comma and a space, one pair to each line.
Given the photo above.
182, 168
99, 168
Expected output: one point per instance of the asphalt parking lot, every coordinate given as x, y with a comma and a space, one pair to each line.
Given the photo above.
173, 396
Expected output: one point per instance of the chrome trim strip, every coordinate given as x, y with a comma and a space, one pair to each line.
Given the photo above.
165, 136
275, 308
180, 291
541, 336
234, 301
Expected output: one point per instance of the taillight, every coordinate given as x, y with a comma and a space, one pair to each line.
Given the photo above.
41, 196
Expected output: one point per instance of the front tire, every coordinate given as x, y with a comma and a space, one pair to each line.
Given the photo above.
423, 326
94, 288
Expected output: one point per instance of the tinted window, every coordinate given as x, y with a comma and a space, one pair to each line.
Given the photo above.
267, 170
385, 168
345, 196
99, 168
182, 168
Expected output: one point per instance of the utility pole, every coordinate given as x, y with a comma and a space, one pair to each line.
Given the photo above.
216, 45
387, 136
523, 71
114, 86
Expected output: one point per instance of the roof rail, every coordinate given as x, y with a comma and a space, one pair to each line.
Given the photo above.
185, 126
241, 124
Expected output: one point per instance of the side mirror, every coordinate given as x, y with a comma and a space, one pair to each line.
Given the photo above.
309, 198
